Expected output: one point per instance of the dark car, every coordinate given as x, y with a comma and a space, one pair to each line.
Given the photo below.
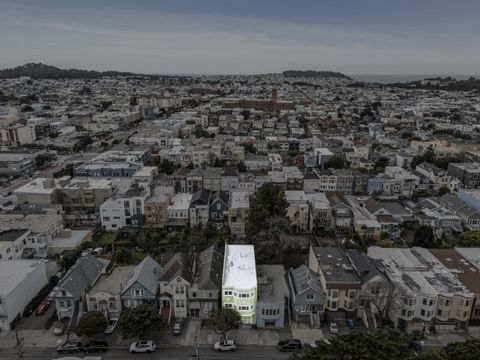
178, 326
43, 307
70, 347
95, 347
289, 345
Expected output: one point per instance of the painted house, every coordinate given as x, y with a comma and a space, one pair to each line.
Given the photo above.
307, 295
218, 209
105, 294
239, 283
273, 296
142, 286
204, 293
175, 283
69, 294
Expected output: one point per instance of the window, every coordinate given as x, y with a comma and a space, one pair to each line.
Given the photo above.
137, 292
179, 289
180, 304
244, 296
228, 306
227, 293
194, 294
334, 294
310, 297
303, 308
425, 301
422, 312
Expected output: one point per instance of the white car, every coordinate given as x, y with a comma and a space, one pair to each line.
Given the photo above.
225, 345
333, 327
112, 324
315, 344
143, 346
97, 251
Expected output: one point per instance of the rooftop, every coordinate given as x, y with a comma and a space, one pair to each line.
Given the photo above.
272, 286
239, 270
14, 272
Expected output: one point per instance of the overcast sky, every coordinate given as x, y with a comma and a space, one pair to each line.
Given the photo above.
244, 36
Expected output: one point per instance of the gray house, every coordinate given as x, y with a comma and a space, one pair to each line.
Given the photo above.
307, 295
204, 292
69, 294
142, 286
218, 209
272, 296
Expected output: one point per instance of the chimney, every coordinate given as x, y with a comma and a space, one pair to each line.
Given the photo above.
274, 94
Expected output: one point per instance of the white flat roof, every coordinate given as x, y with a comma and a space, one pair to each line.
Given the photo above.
239, 270
14, 272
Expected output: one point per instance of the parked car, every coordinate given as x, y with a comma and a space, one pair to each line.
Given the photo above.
97, 251
95, 347
225, 345
42, 308
289, 345
87, 251
112, 324
61, 326
178, 326
70, 347
316, 343
143, 346
333, 327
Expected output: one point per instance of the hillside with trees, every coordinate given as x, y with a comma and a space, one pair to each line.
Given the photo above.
315, 74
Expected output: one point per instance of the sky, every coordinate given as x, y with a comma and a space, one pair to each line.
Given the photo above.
244, 36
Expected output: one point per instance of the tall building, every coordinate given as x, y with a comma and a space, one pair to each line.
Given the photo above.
239, 285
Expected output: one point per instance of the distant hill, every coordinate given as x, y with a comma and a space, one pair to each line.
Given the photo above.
42, 71
315, 74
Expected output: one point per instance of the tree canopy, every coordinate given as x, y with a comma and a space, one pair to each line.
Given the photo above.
335, 162
140, 320
224, 320
381, 345
470, 238
91, 323
424, 237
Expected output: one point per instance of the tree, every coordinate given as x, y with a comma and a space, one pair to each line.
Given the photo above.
380, 164
335, 162
166, 167
224, 320
140, 320
424, 237
443, 190
470, 238
382, 345
241, 166
249, 147
92, 323
467, 350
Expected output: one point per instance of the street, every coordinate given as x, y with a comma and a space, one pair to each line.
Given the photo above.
170, 352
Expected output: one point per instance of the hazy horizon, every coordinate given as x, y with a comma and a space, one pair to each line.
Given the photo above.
373, 37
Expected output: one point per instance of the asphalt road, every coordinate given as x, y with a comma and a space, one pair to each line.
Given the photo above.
164, 353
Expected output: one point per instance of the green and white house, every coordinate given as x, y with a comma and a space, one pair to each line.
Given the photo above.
239, 285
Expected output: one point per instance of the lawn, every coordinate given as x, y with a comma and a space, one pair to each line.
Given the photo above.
107, 238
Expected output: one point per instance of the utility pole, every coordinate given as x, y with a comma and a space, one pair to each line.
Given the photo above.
197, 347
19, 346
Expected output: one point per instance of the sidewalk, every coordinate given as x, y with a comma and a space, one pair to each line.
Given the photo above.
305, 333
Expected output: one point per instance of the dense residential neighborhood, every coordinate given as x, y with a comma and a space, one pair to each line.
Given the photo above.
267, 206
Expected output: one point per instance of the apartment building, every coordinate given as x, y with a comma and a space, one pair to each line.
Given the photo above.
338, 278
467, 173
125, 209
428, 294
42, 230
156, 206
239, 282
20, 282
